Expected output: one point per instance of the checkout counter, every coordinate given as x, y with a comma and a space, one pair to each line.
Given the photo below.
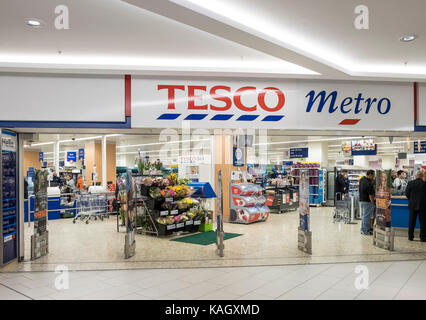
55, 205
400, 212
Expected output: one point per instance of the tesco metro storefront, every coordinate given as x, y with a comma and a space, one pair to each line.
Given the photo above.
52, 103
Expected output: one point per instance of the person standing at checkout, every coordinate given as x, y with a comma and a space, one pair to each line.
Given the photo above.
416, 195
367, 202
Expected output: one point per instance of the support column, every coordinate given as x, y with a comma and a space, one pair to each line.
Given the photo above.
56, 156
104, 162
318, 152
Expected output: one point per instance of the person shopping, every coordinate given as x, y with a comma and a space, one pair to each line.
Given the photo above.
367, 201
416, 195
341, 185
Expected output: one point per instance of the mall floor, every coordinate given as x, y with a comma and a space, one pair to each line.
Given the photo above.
385, 280
98, 246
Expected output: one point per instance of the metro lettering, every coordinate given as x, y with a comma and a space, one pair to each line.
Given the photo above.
343, 104
382, 107
322, 101
379, 106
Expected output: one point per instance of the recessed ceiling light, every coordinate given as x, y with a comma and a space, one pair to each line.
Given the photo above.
407, 38
34, 22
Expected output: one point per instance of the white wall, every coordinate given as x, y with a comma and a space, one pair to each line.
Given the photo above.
318, 152
388, 162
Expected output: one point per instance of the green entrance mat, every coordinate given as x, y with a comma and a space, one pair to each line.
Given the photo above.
205, 238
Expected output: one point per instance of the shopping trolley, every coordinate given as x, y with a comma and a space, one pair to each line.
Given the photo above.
92, 206
342, 211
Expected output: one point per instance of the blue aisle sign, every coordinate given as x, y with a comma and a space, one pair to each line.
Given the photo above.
71, 156
238, 157
40, 156
422, 148
81, 154
298, 153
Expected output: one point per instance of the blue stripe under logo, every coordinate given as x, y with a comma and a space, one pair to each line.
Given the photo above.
169, 116
219, 117
196, 116
247, 117
272, 118
222, 117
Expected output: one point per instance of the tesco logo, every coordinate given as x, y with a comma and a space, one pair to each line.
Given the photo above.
225, 97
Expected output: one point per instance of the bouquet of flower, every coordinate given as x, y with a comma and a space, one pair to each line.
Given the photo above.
181, 190
170, 219
147, 181
162, 220
173, 179
169, 205
184, 218
155, 192
182, 181
184, 203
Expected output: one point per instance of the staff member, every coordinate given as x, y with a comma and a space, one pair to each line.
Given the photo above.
80, 182
399, 183
367, 201
340, 184
416, 195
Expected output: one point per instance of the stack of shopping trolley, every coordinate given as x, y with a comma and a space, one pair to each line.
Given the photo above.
93, 205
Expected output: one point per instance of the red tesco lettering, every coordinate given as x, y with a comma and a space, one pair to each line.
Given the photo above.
224, 95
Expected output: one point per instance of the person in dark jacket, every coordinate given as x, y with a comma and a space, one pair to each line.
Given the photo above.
341, 185
416, 195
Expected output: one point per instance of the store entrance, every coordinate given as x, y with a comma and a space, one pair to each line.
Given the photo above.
173, 176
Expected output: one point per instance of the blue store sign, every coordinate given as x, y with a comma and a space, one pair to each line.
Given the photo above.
40, 156
71, 156
81, 154
298, 153
422, 148
238, 157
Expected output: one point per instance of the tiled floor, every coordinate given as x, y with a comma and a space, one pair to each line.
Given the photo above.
98, 246
386, 280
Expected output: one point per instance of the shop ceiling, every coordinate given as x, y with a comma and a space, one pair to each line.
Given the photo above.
130, 144
259, 38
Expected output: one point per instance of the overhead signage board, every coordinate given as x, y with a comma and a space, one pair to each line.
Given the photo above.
272, 104
367, 147
81, 154
40, 156
71, 158
62, 98
299, 153
420, 147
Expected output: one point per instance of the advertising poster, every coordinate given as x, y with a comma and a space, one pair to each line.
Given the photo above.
364, 147
238, 156
304, 200
383, 198
130, 218
40, 202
